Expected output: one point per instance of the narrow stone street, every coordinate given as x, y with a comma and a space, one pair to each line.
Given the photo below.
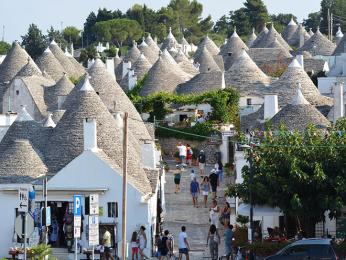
180, 211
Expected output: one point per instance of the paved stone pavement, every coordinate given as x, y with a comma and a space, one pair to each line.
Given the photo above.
180, 211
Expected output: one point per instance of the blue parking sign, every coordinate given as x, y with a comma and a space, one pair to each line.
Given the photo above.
77, 207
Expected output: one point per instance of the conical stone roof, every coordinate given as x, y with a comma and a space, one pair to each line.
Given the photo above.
258, 42
65, 62
149, 52
206, 61
185, 64
78, 68
62, 88
30, 69
318, 44
341, 48
234, 45
270, 37
15, 59
289, 31
66, 141
141, 66
24, 127
168, 57
149, 40
203, 82
112, 96
47, 62
170, 41
298, 114
310, 32
133, 53
245, 75
285, 86
284, 53
295, 39
162, 77
20, 163
209, 44
252, 38
49, 122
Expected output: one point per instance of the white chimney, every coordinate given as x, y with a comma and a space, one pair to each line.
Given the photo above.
271, 106
132, 79
110, 66
90, 134
72, 49
90, 62
301, 39
126, 67
338, 94
223, 82
300, 59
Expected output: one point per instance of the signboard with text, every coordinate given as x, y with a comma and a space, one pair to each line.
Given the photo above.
94, 204
93, 230
23, 202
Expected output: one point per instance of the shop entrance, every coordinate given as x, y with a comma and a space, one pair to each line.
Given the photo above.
61, 229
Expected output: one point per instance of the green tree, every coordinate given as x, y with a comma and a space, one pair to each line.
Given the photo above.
338, 9
281, 20
118, 31
34, 41
222, 26
72, 34
257, 13
313, 20
302, 173
4, 48
88, 32
241, 20
87, 53
57, 36
146, 17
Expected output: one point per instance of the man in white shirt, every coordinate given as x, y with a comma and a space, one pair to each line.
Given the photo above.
182, 152
106, 239
183, 244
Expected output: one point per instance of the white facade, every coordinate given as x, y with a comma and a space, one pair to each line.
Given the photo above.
18, 95
249, 104
6, 121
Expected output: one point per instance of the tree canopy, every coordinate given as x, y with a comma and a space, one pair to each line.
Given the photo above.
4, 47
72, 34
304, 174
34, 41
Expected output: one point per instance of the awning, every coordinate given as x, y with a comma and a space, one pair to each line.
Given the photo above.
263, 211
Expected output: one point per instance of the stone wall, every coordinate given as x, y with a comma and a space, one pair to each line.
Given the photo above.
169, 147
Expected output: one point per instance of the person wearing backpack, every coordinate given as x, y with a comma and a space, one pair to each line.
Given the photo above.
165, 246
213, 241
194, 189
189, 154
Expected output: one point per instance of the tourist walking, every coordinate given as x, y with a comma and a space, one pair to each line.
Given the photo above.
184, 246
192, 174
142, 243
194, 189
219, 170
228, 237
182, 153
134, 245
106, 239
205, 186
214, 214
158, 246
165, 246
189, 153
226, 213
214, 182
201, 163
213, 241
177, 177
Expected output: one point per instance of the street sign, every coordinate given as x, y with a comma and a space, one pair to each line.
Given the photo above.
48, 217
94, 204
23, 203
18, 226
77, 221
76, 232
93, 230
77, 207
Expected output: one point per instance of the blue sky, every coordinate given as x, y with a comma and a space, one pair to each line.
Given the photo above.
16, 15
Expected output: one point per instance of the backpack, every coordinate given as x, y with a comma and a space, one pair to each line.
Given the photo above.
189, 151
194, 186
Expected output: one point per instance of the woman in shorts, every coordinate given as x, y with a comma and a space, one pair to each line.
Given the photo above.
177, 177
205, 187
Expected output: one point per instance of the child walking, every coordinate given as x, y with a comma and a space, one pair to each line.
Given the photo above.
134, 245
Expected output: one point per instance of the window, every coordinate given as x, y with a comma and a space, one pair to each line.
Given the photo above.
112, 209
17, 92
299, 250
249, 101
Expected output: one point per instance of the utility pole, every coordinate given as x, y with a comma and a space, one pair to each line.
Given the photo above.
328, 18
45, 208
331, 26
3, 33
124, 195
